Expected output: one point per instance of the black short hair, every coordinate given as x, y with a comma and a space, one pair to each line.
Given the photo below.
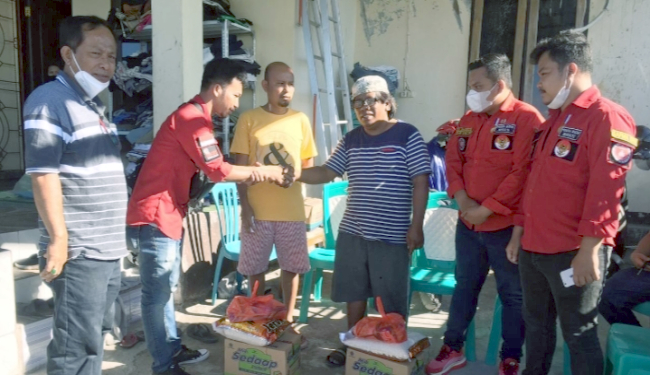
565, 48
387, 98
222, 71
71, 31
497, 66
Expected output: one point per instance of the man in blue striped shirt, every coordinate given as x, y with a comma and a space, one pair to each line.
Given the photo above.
387, 166
72, 154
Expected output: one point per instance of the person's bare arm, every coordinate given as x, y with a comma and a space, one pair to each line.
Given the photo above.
641, 255
247, 214
415, 234
48, 197
586, 264
270, 173
317, 175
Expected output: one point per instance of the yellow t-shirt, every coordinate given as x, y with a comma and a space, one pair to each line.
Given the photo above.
266, 137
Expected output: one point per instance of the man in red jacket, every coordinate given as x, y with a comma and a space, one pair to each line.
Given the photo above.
487, 165
184, 144
570, 205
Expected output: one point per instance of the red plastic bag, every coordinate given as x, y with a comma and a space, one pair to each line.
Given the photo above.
389, 328
255, 308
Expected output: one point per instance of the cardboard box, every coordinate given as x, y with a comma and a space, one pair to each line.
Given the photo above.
280, 358
313, 212
361, 363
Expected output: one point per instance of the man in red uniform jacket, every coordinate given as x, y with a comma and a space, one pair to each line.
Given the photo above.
570, 205
488, 161
184, 144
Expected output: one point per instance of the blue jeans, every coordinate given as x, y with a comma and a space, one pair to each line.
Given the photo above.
546, 298
83, 296
476, 252
160, 262
626, 289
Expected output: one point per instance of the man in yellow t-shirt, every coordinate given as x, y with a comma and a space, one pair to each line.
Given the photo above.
274, 134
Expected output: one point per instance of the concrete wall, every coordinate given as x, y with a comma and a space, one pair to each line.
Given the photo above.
621, 51
437, 56
177, 54
280, 38
97, 8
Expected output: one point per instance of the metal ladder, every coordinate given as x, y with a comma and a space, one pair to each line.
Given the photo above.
319, 19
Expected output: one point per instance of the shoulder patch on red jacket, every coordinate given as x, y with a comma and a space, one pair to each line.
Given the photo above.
624, 137
620, 153
209, 148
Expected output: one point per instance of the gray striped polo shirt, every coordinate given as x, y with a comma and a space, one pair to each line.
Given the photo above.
64, 135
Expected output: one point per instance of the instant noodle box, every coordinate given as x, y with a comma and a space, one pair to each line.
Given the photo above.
280, 358
362, 363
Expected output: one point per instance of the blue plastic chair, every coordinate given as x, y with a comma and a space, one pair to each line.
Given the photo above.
226, 200
438, 276
628, 348
322, 258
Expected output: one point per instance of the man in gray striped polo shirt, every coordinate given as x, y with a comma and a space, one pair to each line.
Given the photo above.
72, 155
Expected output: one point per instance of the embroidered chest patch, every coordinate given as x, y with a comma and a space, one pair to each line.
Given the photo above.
502, 142
504, 129
565, 150
572, 134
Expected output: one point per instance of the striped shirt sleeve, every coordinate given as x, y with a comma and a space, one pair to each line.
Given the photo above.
45, 140
339, 160
417, 157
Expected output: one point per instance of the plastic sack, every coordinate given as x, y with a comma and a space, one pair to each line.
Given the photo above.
407, 350
256, 308
252, 333
389, 328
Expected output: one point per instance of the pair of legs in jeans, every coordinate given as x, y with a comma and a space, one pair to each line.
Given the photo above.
83, 296
623, 291
546, 298
160, 260
476, 252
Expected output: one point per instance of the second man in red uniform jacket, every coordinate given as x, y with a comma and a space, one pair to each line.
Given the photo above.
488, 161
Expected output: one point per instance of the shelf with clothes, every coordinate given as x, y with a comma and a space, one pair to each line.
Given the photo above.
211, 29
134, 77
132, 22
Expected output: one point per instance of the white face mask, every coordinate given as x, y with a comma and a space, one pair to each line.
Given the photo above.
562, 95
91, 85
478, 101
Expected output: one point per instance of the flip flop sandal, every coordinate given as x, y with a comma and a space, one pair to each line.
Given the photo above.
202, 332
337, 357
131, 339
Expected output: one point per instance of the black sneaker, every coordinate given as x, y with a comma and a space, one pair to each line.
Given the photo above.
174, 369
30, 263
187, 356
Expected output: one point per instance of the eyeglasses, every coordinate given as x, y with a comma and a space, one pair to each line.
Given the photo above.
360, 103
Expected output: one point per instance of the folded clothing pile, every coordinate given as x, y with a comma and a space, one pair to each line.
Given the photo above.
255, 320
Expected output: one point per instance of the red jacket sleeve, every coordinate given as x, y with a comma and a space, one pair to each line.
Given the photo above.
610, 157
506, 198
454, 161
199, 143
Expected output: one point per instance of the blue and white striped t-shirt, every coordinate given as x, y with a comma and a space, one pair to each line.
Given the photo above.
64, 135
380, 171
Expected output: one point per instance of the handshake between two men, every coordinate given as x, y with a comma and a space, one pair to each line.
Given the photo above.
281, 175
